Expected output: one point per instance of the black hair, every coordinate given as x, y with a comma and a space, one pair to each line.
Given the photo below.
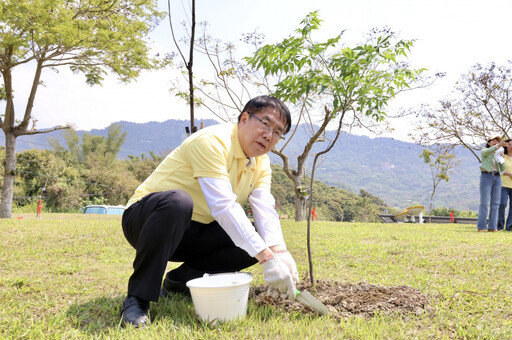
260, 103
487, 145
506, 147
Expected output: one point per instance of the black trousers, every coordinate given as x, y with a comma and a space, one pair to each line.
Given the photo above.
160, 228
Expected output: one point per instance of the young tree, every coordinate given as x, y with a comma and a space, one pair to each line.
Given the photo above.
88, 36
355, 81
442, 164
483, 108
190, 63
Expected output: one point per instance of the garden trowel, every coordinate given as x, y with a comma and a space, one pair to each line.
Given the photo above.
309, 300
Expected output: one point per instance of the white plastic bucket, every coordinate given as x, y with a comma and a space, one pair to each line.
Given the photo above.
220, 297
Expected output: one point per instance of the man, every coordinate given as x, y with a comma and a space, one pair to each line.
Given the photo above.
190, 210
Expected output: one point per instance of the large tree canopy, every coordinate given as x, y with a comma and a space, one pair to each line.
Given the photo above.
88, 36
357, 81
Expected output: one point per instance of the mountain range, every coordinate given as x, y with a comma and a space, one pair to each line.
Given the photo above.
382, 166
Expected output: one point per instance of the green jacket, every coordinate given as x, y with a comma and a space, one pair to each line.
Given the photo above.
488, 159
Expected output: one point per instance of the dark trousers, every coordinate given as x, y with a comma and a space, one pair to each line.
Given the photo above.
506, 197
160, 228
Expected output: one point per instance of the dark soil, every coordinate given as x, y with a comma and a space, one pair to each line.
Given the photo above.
346, 300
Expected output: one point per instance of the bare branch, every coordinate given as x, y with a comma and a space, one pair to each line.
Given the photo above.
36, 132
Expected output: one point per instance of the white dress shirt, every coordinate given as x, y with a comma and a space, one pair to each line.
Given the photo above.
266, 231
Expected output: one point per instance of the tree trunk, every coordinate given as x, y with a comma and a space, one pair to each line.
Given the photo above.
10, 172
299, 208
193, 127
299, 197
430, 212
310, 197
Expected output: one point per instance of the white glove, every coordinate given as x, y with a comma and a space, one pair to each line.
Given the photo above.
274, 293
287, 258
498, 155
277, 275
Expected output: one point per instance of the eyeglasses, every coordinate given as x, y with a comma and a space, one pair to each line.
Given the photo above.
264, 125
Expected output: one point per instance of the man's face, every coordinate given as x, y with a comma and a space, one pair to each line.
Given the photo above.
255, 141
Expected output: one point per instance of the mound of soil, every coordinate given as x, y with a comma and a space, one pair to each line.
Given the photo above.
346, 300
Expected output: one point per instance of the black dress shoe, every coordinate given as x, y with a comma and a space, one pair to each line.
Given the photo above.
172, 286
135, 311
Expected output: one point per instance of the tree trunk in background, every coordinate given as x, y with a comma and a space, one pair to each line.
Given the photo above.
190, 64
299, 197
430, 210
9, 174
299, 208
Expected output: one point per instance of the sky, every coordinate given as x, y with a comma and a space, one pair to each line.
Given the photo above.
451, 36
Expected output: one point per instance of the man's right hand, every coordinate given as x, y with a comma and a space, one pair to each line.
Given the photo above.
277, 275
288, 260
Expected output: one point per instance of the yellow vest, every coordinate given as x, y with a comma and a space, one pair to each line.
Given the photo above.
213, 152
505, 180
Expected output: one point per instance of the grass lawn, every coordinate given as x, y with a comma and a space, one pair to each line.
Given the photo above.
65, 276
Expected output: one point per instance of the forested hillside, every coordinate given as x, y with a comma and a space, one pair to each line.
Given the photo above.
384, 167
393, 170
88, 172
331, 203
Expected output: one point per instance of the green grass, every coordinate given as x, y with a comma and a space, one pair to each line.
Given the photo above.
65, 276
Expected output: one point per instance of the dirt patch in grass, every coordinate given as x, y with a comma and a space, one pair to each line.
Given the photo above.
346, 300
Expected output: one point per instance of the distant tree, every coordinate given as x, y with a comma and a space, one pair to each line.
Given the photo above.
77, 150
441, 163
37, 170
88, 36
366, 211
482, 108
67, 193
109, 179
374, 199
105, 177
42, 174
142, 166
445, 211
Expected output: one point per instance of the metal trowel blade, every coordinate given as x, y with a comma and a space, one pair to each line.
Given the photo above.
309, 300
